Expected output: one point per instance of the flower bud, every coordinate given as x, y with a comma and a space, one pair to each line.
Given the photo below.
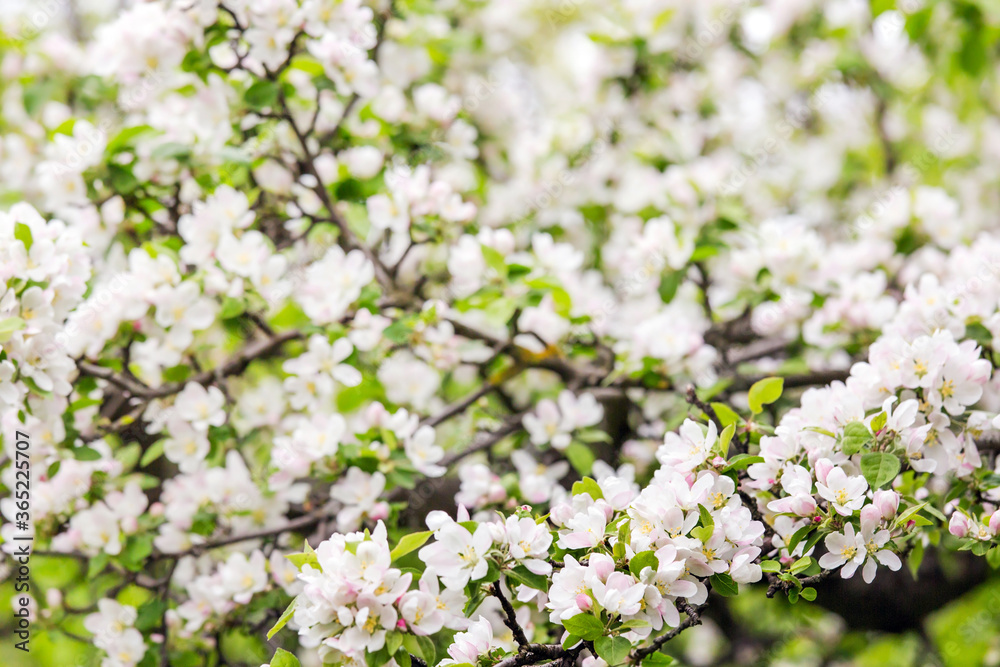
53, 597
958, 525
379, 511
823, 468
583, 601
870, 515
995, 522
887, 502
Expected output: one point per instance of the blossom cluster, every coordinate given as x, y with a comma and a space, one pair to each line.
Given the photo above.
630, 314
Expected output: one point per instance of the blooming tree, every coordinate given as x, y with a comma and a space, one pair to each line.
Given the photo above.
490, 333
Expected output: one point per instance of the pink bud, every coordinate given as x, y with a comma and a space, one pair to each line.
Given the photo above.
156, 509
583, 601
379, 511
561, 513
958, 525
401, 624
718, 461
995, 522
823, 468
375, 413
887, 502
870, 515
602, 565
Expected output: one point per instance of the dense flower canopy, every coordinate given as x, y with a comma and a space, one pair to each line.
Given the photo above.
490, 332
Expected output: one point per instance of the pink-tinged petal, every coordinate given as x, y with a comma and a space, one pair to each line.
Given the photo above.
889, 559
868, 573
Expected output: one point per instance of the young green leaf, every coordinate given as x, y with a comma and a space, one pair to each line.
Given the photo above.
584, 626
613, 650
283, 658
285, 617
409, 543
763, 392
879, 468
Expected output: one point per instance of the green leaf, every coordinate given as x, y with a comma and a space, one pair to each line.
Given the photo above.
495, 260
742, 461
797, 536
97, 564
669, 284
149, 614
657, 660
879, 468
137, 549
580, 457
398, 332
421, 646
232, 308
770, 566
171, 151
980, 548
905, 516
584, 626
808, 594
704, 532
393, 640
726, 414
878, 423
86, 454
154, 452
764, 392
724, 438
915, 558
936, 513
642, 560
124, 138
409, 543
724, 585
306, 558
285, 617
8, 326
856, 436
589, 486
283, 658
633, 624
261, 94
614, 650
523, 575
801, 565
22, 233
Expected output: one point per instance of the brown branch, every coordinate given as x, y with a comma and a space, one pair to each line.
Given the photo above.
693, 619
814, 378
534, 653
509, 618
305, 521
784, 585
459, 407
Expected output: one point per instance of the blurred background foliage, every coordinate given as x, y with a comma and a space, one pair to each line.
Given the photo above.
746, 630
